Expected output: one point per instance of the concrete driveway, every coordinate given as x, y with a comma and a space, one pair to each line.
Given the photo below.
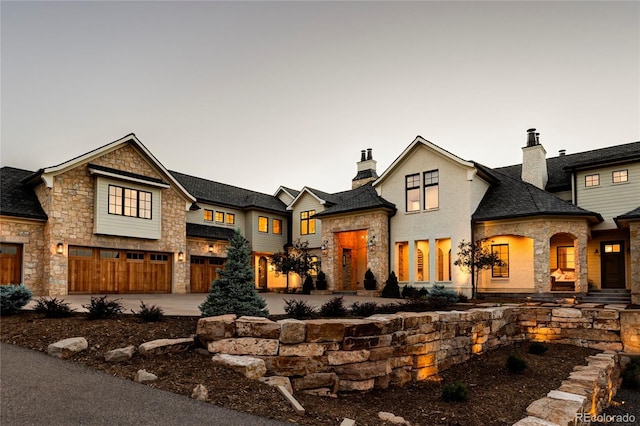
187, 304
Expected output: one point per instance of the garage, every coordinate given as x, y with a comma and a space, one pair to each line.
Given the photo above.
204, 270
105, 270
10, 263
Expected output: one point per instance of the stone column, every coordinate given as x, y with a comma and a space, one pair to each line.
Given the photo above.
634, 258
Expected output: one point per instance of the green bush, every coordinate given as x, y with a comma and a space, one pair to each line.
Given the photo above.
334, 308
410, 292
363, 309
101, 308
53, 308
13, 298
440, 297
370, 282
307, 287
455, 392
515, 364
391, 288
631, 374
321, 281
415, 304
389, 308
151, 313
537, 348
299, 309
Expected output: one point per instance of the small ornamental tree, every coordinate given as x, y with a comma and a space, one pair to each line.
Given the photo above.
234, 291
475, 258
296, 259
391, 288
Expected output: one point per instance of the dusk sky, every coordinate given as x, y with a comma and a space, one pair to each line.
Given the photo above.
263, 94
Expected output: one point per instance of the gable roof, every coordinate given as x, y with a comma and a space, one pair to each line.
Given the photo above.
17, 199
559, 168
420, 141
45, 175
364, 197
512, 198
208, 191
624, 219
293, 193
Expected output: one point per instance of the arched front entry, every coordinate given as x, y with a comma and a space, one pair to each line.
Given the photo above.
262, 272
353, 254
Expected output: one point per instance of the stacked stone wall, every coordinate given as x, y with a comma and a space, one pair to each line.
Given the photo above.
30, 234
340, 355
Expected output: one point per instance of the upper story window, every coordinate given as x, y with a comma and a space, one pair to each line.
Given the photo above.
277, 226
129, 202
263, 224
307, 224
620, 176
431, 192
503, 254
219, 217
412, 188
208, 215
592, 180
231, 218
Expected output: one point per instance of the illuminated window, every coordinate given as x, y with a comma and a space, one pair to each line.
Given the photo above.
431, 181
129, 202
422, 260
592, 180
231, 218
503, 254
263, 224
402, 261
612, 248
620, 176
208, 215
566, 257
412, 185
443, 259
307, 224
277, 226
219, 217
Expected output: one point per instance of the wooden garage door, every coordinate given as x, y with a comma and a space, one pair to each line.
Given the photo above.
204, 270
93, 270
10, 263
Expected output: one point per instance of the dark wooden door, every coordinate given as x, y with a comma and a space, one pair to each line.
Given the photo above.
204, 270
10, 263
612, 264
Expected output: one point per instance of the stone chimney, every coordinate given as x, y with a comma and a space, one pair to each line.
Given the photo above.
366, 169
534, 161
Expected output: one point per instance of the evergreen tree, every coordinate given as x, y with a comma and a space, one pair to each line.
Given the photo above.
391, 288
234, 291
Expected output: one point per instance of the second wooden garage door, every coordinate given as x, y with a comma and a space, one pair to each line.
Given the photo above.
95, 270
204, 270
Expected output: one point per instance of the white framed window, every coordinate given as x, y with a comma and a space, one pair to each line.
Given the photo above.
620, 176
592, 180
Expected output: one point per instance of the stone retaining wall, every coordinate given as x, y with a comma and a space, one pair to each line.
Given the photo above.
339, 355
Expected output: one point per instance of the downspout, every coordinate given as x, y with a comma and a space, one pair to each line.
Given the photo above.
473, 272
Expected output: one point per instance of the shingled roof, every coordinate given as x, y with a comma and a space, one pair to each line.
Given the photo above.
207, 191
209, 232
17, 199
559, 167
361, 198
512, 198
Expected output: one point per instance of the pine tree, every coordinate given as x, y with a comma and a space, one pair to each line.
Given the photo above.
234, 291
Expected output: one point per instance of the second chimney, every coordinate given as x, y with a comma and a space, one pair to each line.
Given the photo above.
534, 161
366, 169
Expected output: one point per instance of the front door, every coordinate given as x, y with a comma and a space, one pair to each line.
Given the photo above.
10, 263
262, 273
612, 264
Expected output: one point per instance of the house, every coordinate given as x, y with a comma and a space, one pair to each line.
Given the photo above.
114, 220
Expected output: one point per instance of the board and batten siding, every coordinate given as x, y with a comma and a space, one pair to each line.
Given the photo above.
307, 202
124, 226
609, 199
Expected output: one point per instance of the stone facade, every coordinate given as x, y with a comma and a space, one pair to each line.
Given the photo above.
541, 231
30, 234
634, 261
376, 223
70, 206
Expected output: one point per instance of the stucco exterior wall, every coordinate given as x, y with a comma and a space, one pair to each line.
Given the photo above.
70, 205
30, 234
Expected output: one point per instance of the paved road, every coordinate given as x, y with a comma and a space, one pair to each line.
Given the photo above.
37, 389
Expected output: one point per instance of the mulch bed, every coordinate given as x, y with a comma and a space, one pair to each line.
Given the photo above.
496, 396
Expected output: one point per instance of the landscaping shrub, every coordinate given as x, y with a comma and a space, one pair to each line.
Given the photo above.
299, 309
14, 297
439, 297
410, 292
53, 308
462, 298
364, 309
515, 364
151, 313
537, 348
415, 304
101, 308
631, 374
388, 308
391, 288
334, 308
321, 281
455, 392
307, 287
370, 282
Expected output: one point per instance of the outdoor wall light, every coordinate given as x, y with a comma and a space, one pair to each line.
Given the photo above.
372, 242
180, 256
324, 246
60, 248
210, 248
